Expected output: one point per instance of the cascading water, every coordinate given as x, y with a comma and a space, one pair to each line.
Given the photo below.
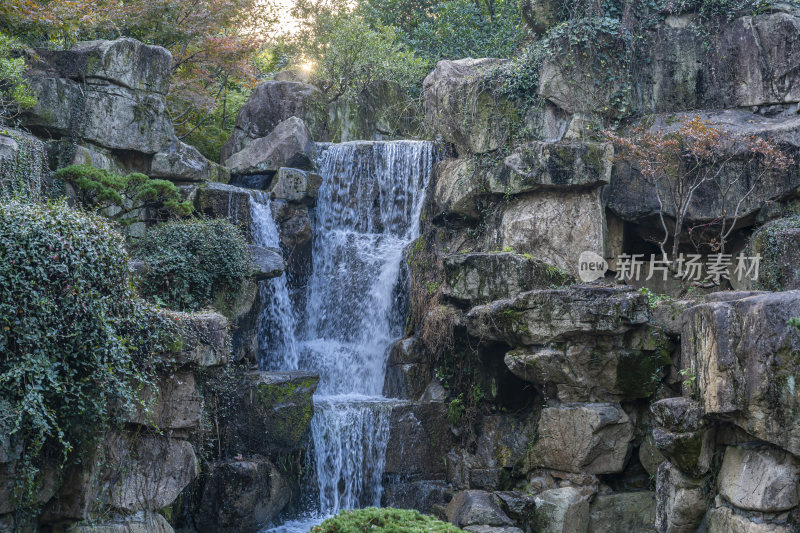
368, 210
277, 348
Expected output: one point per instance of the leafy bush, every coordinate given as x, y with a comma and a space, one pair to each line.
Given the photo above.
190, 263
387, 520
101, 189
77, 344
15, 93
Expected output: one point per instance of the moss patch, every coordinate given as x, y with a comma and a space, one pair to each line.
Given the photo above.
388, 520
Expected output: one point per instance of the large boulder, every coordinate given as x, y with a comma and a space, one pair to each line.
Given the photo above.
778, 244
203, 339
408, 372
240, 496
622, 511
541, 317
458, 190
268, 262
742, 359
142, 522
288, 145
479, 278
172, 403
419, 438
460, 106
563, 510
476, 508
295, 185
634, 199
681, 501
271, 103
180, 162
761, 479
578, 438
125, 62
534, 224
108, 115
723, 519
217, 200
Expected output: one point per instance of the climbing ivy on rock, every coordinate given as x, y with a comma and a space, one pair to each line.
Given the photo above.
78, 344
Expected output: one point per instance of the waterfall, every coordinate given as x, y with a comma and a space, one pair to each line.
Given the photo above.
368, 210
277, 348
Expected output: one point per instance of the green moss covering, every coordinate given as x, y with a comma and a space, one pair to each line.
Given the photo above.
386, 520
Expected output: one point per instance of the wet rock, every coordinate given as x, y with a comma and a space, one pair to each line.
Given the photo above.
625, 511
680, 500
534, 224
478, 278
421, 495
460, 108
268, 262
296, 185
240, 496
288, 145
760, 479
476, 508
546, 316
183, 163
725, 520
419, 438
143, 522
564, 510
518, 506
203, 339
271, 103
633, 199
174, 403
590, 438
741, 355
275, 415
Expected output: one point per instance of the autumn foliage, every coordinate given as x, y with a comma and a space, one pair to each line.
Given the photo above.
678, 160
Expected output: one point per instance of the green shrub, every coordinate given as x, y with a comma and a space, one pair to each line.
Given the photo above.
101, 189
387, 520
190, 263
76, 343
15, 93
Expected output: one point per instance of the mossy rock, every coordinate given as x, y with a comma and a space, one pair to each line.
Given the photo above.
387, 520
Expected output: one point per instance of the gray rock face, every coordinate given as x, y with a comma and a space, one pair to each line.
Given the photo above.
419, 438
760, 479
625, 511
271, 103
691, 452
590, 438
458, 189
476, 508
288, 145
180, 162
241, 496
564, 510
149, 472
680, 501
460, 108
633, 199
778, 243
204, 339
174, 404
422, 495
23, 163
680, 414
144, 522
535, 224
125, 62
275, 414
224, 201
408, 372
554, 164
541, 317
479, 278
741, 353
104, 114
724, 520
296, 185
268, 262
